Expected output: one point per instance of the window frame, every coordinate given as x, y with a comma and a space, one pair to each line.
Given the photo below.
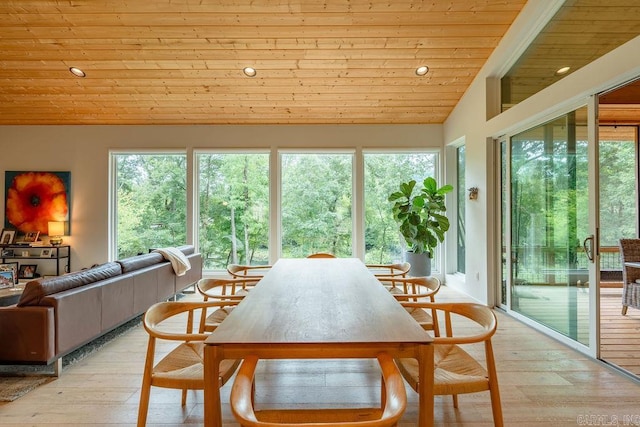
112, 229
438, 175
278, 211
275, 182
196, 191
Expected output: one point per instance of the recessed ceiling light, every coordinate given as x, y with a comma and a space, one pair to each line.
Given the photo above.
563, 70
77, 72
249, 72
421, 71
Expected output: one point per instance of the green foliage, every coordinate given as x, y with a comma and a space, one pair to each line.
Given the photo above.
233, 191
617, 191
316, 204
151, 202
383, 171
233, 204
421, 216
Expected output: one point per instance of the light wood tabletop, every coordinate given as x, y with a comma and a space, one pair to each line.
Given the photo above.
318, 308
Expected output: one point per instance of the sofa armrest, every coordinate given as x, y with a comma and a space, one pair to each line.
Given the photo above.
192, 275
27, 334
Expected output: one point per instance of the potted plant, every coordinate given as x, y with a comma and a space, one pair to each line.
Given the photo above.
422, 221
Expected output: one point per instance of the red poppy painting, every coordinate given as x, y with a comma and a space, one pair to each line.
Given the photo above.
32, 199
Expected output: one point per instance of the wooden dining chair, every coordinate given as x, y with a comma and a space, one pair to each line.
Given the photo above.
393, 403
456, 370
390, 270
182, 368
416, 289
240, 270
321, 255
227, 291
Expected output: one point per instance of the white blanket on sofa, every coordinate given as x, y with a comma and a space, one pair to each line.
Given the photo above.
179, 261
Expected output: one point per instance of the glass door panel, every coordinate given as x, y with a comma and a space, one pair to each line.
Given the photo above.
549, 222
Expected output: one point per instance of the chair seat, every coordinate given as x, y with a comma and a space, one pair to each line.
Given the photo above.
215, 318
396, 290
184, 364
243, 292
456, 372
413, 289
422, 317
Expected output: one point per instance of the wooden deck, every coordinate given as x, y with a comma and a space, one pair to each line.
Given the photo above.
619, 335
542, 383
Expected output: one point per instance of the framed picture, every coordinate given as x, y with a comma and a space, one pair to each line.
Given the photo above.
31, 236
8, 236
45, 253
23, 188
13, 267
7, 279
27, 271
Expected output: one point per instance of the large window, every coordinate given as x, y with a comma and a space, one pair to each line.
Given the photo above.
233, 221
383, 173
316, 204
252, 207
150, 202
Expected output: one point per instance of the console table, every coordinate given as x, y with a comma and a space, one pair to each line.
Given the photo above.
61, 254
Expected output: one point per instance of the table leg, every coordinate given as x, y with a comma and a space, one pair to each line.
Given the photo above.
425, 385
212, 407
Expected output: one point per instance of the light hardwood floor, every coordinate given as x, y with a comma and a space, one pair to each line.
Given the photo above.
542, 383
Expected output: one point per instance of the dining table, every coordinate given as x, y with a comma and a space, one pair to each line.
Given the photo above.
318, 308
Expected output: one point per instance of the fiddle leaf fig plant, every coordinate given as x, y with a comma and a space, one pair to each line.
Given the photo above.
420, 214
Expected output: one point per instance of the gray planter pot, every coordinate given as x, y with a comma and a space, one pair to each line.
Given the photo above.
420, 264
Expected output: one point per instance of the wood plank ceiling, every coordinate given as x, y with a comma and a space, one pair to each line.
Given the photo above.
181, 61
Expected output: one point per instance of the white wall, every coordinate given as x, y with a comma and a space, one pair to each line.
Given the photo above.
468, 121
84, 151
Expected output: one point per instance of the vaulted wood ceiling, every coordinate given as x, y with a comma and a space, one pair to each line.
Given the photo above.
181, 61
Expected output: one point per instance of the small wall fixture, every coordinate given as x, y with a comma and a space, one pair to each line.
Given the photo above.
473, 193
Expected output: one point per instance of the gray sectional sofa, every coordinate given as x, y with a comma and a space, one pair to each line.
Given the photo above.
57, 315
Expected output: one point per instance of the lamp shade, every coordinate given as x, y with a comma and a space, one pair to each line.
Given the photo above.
56, 228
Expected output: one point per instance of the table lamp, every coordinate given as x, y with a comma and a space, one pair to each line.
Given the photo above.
56, 231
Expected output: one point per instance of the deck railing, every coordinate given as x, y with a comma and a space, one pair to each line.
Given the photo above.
528, 268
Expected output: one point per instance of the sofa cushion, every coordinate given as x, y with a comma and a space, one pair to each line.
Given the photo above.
140, 261
37, 289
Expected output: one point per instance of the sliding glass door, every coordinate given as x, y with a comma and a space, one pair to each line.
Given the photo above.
549, 217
